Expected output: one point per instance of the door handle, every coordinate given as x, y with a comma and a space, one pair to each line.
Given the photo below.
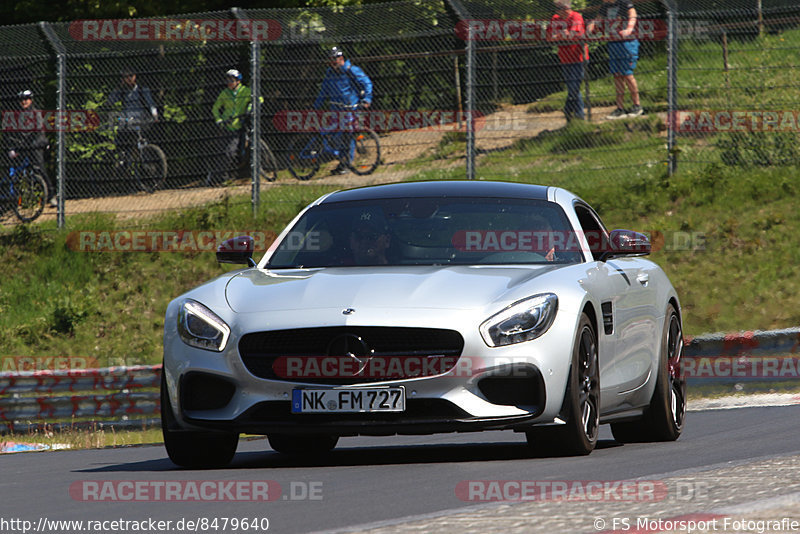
643, 279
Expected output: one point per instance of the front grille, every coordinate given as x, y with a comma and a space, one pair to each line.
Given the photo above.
350, 354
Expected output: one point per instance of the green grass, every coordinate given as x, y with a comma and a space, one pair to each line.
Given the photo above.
762, 74
650, 74
55, 301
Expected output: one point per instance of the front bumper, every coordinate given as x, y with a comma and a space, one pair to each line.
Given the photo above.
422, 416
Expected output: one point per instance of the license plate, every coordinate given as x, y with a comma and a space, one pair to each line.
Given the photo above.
352, 400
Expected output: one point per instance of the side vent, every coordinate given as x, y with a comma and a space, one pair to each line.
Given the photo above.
608, 318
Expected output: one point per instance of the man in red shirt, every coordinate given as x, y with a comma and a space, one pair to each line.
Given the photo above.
567, 25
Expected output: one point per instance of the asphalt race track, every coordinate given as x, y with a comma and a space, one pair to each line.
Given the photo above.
371, 480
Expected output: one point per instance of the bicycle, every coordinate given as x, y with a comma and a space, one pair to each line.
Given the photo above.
24, 189
306, 154
268, 165
142, 160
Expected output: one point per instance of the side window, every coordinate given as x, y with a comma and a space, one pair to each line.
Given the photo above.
593, 229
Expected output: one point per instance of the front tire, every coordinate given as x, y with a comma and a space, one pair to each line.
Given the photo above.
664, 418
581, 409
198, 450
304, 156
30, 195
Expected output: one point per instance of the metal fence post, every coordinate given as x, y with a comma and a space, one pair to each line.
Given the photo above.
672, 86
61, 68
459, 101
255, 143
462, 14
255, 121
470, 106
760, 9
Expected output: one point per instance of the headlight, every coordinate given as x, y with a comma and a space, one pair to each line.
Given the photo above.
522, 321
200, 327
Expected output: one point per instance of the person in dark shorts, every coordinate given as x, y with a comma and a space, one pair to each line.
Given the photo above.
623, 52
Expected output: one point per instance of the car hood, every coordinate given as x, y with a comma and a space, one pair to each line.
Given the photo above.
455, 287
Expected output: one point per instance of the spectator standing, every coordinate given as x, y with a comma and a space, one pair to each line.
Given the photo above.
137, 101
230, 112
32, 142
344, 86
568, 25
623, 52
138, 111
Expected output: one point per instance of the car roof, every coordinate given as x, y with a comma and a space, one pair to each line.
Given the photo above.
449, 188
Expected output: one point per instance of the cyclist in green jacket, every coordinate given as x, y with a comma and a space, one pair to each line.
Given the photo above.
230, 112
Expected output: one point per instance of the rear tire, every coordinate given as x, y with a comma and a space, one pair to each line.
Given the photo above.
664, 418
581, 408
196, 450
269, 165
30, 196
367, 155
302, 445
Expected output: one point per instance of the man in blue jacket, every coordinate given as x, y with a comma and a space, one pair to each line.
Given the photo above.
345, 86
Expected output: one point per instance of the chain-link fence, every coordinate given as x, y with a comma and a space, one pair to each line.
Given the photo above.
738, 84
549, 95
26, 64
153, 102
415, 63
457, 88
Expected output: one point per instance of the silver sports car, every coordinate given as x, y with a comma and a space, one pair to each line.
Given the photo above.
427, 307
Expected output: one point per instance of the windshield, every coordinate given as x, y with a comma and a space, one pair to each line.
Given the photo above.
428, 231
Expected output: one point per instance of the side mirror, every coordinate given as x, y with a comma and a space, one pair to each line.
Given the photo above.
236, 250
627, 243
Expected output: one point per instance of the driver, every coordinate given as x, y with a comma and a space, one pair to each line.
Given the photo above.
369, 240
543, 236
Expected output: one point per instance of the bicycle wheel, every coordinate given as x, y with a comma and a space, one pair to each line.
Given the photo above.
367, 154
269, 166
304, 156
152, 168
30, 195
